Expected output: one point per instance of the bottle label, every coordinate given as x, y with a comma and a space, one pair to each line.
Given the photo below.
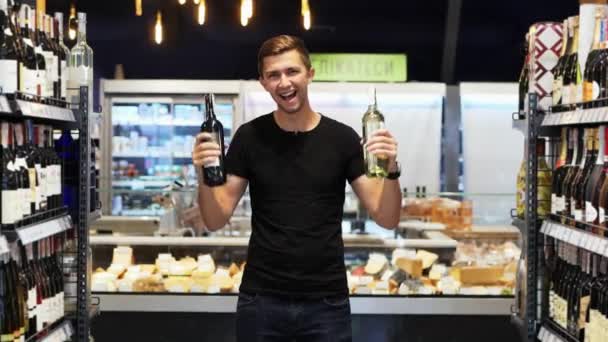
560, 204
27, 80
47, 78
8, 81
26, 208
54, 68
33, 195
572, 206
64, 79
583, 305
590, 212
602, 217
553, 204
578, 93
43, 184
58, 179
587, 91
7, 215
578, 214
557, 90
595, 93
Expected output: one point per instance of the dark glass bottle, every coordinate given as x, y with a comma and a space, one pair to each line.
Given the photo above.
214, 174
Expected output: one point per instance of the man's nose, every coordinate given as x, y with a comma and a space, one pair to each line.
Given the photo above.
283, 80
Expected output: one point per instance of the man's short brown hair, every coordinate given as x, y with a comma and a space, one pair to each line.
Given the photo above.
280, 44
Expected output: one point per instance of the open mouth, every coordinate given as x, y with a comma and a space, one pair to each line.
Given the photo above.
288, 96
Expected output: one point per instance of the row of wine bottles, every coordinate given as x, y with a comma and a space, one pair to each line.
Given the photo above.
38, 174
35, 63
578, 296
579, 194
31, 289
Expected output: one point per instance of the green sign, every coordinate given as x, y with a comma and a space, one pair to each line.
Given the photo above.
359, 67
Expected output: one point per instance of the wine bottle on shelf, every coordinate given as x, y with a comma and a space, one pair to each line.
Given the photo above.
81, 65
560, 67
64, 56
590, 88
10, 189
571, 65
560, 168
29, 68
22, 168
596, 180
33, 158
579, 191
54, 199
41, 168
214, 174
566, 215
9, 54
597, 190
576, 209
47, 51
41, 72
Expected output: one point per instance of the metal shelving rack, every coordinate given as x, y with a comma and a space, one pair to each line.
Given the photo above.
534, 123
16, 110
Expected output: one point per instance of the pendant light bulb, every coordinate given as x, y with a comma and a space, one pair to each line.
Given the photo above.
72, 23
138, 8
201, 12
306, 17
196, 2
158, 29
244, 17
181, 2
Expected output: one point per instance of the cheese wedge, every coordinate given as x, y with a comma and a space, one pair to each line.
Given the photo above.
413, 267
428, 258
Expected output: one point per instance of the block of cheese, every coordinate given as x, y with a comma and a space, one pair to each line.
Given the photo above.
376, 264
148, 268
125, 285
480, 275
199, 273
234, 269
237, 278
122, 255
178, 284
178, 269
223, 280
103, 282
437, 271
149, 284
163, 261
428, 258
205, 261
402, 253
413, 267
117, 269
387, 275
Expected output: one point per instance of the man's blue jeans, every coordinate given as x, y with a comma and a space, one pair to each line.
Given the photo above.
276, 319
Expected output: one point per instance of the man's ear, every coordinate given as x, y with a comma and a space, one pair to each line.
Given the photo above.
262, 82
311, 74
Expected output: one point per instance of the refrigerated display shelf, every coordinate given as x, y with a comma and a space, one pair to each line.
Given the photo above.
366, 305
141, 184
582, 239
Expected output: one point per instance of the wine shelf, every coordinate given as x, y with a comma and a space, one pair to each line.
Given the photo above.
552, 332
577, 117
582, 239
25, 109
40, 230
58, 332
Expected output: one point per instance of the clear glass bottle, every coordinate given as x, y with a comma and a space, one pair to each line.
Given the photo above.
80, 65
373, 120
63, 58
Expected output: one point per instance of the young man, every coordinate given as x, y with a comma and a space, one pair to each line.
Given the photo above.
296, 162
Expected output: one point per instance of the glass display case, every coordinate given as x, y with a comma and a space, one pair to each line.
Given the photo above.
466, 266
150, 129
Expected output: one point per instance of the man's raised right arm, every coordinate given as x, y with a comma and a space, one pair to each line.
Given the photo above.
216, 203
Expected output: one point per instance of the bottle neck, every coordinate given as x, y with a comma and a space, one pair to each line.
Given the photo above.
5, 134
601, 146
597, 32
563, 155
82, 32
574, 147
575, 40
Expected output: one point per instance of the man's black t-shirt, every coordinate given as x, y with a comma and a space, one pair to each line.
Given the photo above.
296, 184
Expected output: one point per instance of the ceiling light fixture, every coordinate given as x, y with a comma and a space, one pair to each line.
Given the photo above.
306, 17
158, 29
201, 12
138, 8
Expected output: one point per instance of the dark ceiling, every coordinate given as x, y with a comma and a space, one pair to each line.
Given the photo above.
489, 39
